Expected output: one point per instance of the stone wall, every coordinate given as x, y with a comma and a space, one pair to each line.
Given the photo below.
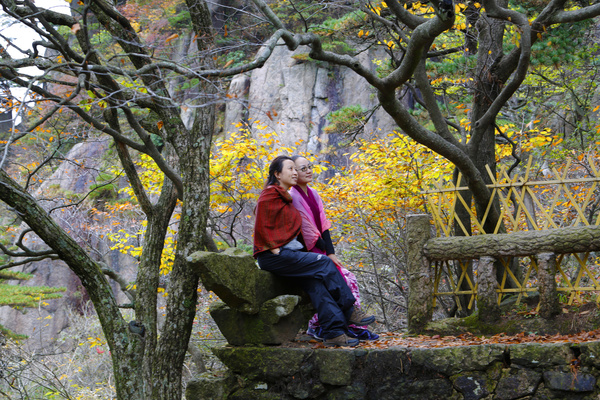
492, 371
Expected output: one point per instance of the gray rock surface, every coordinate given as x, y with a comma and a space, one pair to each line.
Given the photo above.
461, 373
293, 95
257, 307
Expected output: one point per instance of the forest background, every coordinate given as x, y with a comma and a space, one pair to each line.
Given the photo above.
465, 84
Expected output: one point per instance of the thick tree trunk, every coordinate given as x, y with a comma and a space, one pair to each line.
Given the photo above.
463, 229
482, 146
183, 285
126, 347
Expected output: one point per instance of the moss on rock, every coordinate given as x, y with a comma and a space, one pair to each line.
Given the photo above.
335, 367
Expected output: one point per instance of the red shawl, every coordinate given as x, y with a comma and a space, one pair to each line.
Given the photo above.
277, 220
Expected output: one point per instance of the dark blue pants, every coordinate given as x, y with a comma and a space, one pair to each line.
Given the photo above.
319, 277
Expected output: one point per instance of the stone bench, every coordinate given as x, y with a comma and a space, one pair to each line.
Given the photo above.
256, 306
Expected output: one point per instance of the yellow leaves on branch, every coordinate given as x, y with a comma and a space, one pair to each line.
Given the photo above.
95, 341
419, 8
381, 185
239, 164
527, 140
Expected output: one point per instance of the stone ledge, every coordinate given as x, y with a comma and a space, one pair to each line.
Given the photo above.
502, 371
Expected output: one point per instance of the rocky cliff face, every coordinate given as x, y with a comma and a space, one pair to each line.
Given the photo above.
44, 323
293, 96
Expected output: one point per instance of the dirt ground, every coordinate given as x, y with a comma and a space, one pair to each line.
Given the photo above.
578, 317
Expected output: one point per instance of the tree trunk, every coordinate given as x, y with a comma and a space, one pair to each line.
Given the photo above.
193, 150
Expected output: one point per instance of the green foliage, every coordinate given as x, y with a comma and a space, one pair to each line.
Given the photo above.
236, 58
27, 296
561, 44
18, 297
296, 14
333, 24
346, 119
101, 38
351, 20
105, 188
338, 27
180, 20
14, 275
454, 65
9, 334
23, 296
339, 46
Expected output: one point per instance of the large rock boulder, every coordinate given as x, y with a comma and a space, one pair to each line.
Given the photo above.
257, 307
277, 322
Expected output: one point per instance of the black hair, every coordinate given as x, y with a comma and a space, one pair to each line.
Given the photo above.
276, 167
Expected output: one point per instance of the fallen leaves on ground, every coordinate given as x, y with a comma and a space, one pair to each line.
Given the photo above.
389, 339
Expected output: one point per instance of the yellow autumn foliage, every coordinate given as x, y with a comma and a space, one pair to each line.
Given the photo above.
370, 196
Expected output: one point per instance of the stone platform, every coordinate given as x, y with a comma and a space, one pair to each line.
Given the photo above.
489, 371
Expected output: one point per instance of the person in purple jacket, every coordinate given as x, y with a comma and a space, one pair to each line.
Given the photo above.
315, 232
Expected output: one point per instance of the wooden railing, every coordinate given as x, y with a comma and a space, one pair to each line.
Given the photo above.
545, 247
563, 204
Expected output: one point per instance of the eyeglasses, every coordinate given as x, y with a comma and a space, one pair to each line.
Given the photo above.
305, 168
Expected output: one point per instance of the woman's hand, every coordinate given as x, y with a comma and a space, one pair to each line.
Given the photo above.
275, 251
334, 259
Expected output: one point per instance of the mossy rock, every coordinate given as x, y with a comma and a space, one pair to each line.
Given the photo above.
277, 322
210, 387
234, 276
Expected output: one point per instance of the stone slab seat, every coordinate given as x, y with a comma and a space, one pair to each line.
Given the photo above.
256, 306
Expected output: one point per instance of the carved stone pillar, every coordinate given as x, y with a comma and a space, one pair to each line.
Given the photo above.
420, 293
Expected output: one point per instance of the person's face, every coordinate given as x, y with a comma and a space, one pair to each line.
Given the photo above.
305, 172
288, 175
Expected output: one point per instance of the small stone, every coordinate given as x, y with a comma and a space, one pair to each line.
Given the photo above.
569, 381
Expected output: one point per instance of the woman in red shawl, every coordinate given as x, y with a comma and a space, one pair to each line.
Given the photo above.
279, 248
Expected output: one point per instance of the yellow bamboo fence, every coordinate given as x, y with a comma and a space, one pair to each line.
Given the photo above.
562, 198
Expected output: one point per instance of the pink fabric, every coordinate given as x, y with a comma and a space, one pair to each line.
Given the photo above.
310, 233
